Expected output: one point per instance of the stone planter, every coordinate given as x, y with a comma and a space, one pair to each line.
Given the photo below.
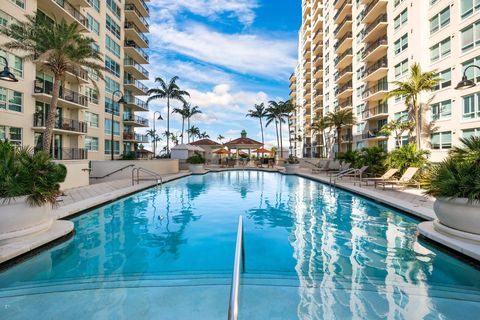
196, 168
292, 168
18, 219
458, 214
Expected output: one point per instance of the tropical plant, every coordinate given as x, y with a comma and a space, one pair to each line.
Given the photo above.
338, 119
196, 159
319, 126
277, 112
193, 132
129, 156
220, 138
170, 91
190, 112
374, 158
271, 117
174, 138
204, 135
352, 157
57, 47
259, 112
411, 89
184, 113
459, 175
292, 159
397, 127
407, 156
288, 109
34, 175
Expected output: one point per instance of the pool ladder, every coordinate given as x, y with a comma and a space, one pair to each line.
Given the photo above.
238, 267
136, 176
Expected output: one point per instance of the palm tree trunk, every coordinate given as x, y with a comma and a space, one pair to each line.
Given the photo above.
339, 143
419, 128
183, 126
168, 125
261, 129
281, 139
188, 132
52, 113
289, 136
276, 130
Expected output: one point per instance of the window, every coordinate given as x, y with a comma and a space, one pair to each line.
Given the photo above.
109, 105
441, 140
440, 50
432, 2
471, 106
12, 134
401, 44
95, 4
471, 36
15, 63
401, 19
475, 132
404, 140
93, 25
403, 116
113, 27
440, 20
114, 8
11, 100
91, 119
112, 46
6, 19
472, 73
467, 7
359, 127
92, 95
108, 127
112, 66
441, 110
108, 148
19, 3
111, 85
401, 69
397, 3
91, 143
445, 79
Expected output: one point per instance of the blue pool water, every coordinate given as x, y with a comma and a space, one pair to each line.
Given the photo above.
312, 252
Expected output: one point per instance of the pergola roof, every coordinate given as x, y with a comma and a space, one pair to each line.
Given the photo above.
245, 142
205, 142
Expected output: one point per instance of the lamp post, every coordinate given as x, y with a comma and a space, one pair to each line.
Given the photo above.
120, 101
6, 75
465, 83
155, 132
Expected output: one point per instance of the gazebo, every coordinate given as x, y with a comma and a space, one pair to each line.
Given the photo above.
243, 143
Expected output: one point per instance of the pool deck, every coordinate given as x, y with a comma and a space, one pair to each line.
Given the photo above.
77, 200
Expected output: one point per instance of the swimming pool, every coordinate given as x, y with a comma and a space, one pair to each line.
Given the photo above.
312, 252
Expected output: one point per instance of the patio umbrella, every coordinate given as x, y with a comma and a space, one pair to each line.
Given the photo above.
262, 150
221, 151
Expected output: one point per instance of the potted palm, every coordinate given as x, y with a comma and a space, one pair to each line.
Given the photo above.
455, 183
292, 164
195, 163
29, 187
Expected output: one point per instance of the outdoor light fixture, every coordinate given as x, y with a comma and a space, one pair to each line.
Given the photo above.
466, 83
120, 101
154, 138
6, 75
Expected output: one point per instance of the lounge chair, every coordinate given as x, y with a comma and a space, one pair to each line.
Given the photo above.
405, 179
387, 175
343, 168
259, 163
319, 168
355, 173
342, 173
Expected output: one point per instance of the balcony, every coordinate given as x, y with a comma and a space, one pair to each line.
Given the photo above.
343, 11
134, 34
373, 134
141, 6
344, 26
70, 154
374, 51
347, 104
62, 125
136, 87
133, 14
346, 138
135, 52
376, 71
375, 113
375, 92
344, 59
344, 75
318, 72
42, 91
136, 70
344, 91
135, 137
376, 29
373, 10
135, 121
135, 104
62, 9
344, 43
317, 49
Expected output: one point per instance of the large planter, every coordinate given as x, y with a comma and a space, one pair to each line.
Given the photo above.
196, 168
18, 219
458, 214
292, 168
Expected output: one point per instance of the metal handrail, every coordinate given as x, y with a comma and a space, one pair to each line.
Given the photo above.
239, 259
118, 170
158, 177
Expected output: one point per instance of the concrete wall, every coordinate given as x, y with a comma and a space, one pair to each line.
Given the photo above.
102, 168
77, 174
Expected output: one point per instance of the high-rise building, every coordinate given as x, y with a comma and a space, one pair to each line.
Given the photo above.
368, 44
84, 122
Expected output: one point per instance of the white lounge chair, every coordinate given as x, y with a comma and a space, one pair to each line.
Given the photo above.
405, 179
387, 175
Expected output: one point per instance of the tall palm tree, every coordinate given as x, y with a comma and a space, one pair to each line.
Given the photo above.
190, 112
279, 111
288, 109
220, 138
271, 117
319, 126
170, 91
57, 47
183, 112
204, 135
417, 83
337, 120
258, 112
193, 132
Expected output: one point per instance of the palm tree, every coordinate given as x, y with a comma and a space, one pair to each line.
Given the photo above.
190, 113
258, 112
398, 127
193, 132
220, 138
170, 91
319, 126
58, 47
288, 109
183, 112
278, 109
271, 116
337, 120
417, 83
204, 135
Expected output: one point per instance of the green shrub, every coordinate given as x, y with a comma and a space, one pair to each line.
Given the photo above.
129, 156
351, 157
24, 173
292, 159
407, 156
374, 158
196, 159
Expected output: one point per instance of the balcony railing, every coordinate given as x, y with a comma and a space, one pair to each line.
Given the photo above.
78, 72
341, 24
131, 7
343, 72
343, 55
65, 94
345, 37
382, 63
135, 83
368, 9
130, 25
341, 9
343, 88
72, 11
371, 26
60, 153
373, 46
374, 89
136, 119
132, 44
66, 124
346, 138
374, 133
375, 111
135, 137
129, 62
133, 100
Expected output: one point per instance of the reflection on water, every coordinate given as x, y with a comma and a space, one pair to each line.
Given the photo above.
347, 257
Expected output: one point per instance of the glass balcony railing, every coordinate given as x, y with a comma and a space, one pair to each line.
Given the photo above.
128, 62
66, 124
130, 25
132, 44
131, 7
136, 119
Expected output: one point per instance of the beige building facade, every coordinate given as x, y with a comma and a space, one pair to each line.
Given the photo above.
368, 44
84, 126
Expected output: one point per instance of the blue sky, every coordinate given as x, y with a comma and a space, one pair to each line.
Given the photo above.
229, 54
